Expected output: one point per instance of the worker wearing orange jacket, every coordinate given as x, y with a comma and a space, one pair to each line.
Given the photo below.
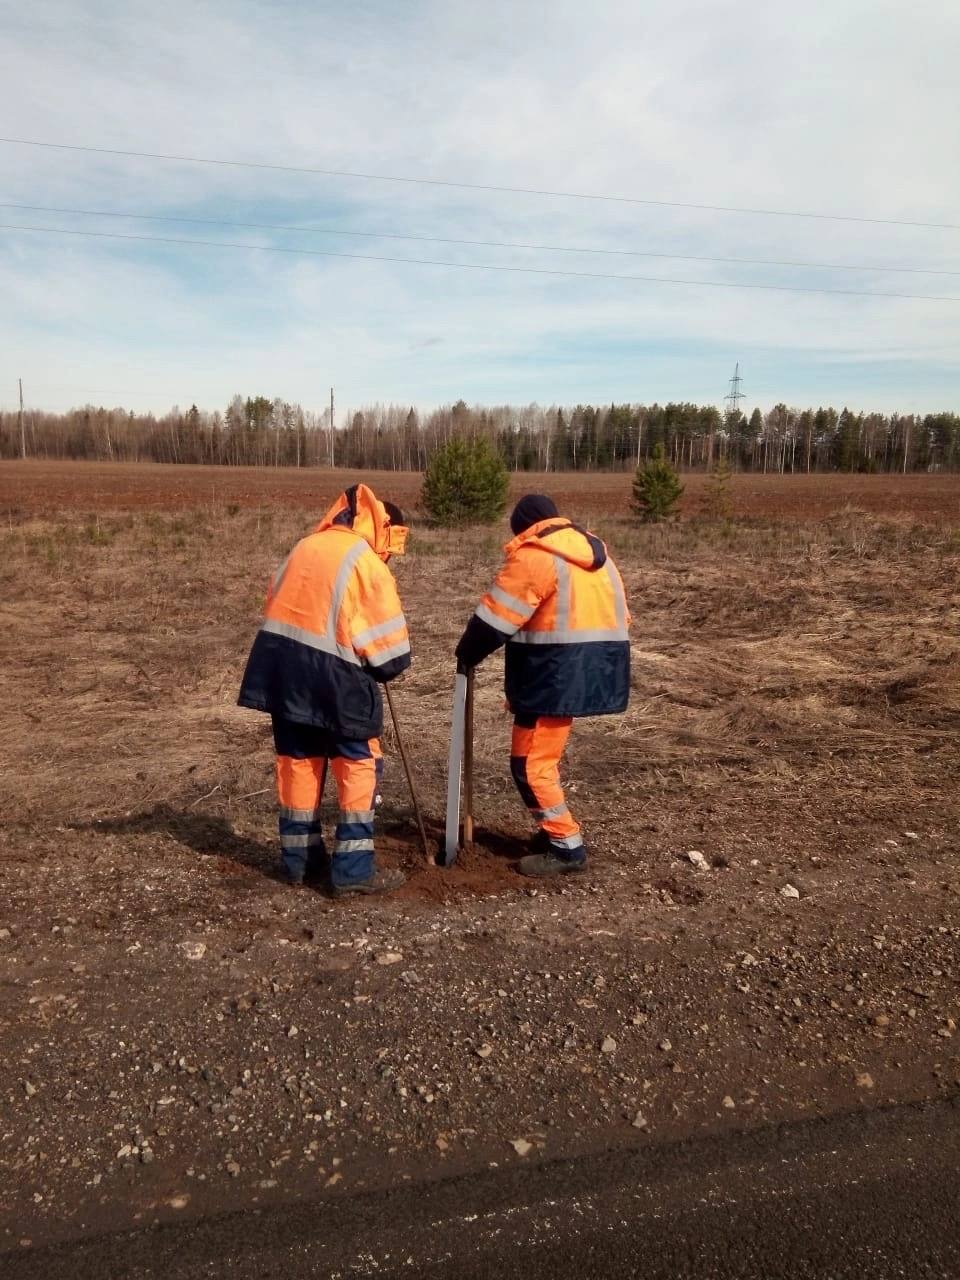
558, 605
334, 630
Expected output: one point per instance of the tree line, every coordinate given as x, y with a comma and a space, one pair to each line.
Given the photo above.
261, 432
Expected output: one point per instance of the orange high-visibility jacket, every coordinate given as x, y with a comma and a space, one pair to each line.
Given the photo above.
334, 626
558, 605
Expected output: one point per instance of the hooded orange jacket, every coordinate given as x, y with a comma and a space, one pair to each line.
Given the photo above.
558, 605
334, 627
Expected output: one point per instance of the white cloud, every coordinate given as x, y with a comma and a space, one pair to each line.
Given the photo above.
836, 107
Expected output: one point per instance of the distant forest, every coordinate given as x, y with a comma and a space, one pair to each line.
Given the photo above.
273, 433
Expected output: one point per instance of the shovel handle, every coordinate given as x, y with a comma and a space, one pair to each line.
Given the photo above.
406, 769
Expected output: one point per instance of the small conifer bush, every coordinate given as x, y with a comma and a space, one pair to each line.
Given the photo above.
465, 483
656, 488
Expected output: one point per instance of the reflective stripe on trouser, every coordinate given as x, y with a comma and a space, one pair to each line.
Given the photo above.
299, 789
303, 754
536, 751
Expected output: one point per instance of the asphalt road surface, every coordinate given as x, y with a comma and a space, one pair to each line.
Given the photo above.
870, 1194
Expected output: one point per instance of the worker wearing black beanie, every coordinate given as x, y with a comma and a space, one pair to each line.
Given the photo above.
559, 607
531, 509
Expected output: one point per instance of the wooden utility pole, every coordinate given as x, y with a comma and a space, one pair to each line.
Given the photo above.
23, 436
331, 426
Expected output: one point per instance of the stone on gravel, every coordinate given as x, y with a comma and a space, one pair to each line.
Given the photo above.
864, 1080
790, 891
193, 950
639, 1121
696, 859
521, 1146
728, 1102
389, 957
485, 1051
609, 1045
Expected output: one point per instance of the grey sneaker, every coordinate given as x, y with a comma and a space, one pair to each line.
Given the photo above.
542, 865
379, 882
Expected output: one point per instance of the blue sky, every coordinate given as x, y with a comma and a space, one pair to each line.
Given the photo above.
844, 107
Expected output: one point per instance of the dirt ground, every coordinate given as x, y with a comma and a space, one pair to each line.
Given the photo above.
45, 488
183, 1034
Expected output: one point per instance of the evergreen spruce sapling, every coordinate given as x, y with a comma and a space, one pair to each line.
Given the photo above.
465, 483
717, 498
656, 488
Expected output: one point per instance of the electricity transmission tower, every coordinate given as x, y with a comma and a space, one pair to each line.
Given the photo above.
735, 394
732, 415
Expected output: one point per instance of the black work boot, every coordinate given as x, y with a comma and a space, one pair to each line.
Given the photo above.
379, 882
542, 865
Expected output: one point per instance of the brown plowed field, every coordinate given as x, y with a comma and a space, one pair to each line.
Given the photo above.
44, 488
181, 1034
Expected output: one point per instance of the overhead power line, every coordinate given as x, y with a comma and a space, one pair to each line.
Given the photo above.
478, 266
476, 186
484, 244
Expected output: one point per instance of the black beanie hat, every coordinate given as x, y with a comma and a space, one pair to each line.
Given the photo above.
531, 509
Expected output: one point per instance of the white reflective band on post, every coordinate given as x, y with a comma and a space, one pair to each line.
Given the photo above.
378, 632
512, 602
387, 655
569, 636
310, 638
491, 619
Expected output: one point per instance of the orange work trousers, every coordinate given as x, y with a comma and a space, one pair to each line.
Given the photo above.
303, 756
536, 751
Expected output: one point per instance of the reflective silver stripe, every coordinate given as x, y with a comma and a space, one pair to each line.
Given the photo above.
555, 811
512, 602
354, 846
618, 595
357, 815
386, 655
564, 593
302, 842
298, 815
309, 638
279, 575
378, 632
339, 591
500, 624
569, 637
567, 842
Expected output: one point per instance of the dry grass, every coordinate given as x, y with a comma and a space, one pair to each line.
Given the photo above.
784, 674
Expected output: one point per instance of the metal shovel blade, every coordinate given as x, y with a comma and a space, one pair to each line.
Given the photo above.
454, 771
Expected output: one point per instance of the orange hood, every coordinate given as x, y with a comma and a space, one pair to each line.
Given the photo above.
359, 509
564, 539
